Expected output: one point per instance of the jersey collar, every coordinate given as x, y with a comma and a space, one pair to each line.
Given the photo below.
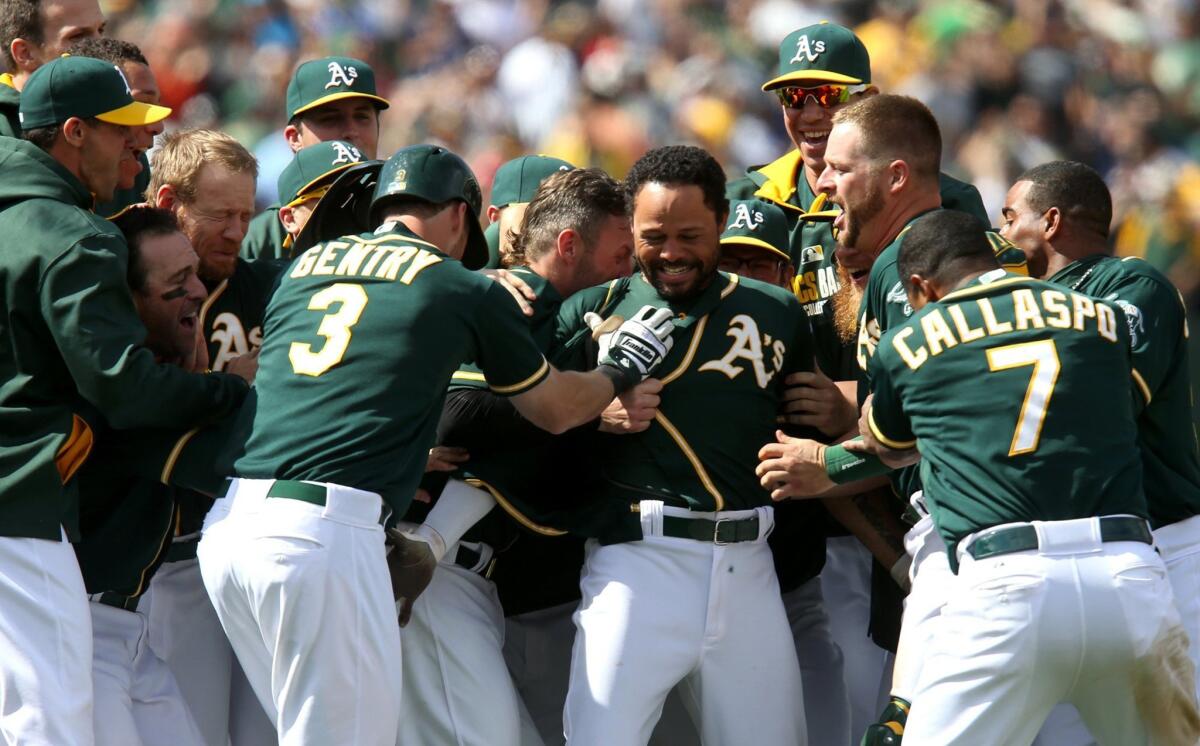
1074, 273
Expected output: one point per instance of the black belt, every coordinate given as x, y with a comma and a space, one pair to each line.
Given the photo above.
1023, 538
720, 531
117, 601
472, 559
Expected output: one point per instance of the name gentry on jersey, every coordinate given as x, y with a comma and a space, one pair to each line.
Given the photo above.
1055, 308
367, 258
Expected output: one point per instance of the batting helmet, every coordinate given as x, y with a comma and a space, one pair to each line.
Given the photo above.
434, 174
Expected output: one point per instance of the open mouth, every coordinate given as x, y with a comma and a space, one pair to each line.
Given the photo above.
189, 322
839, 223
815, 138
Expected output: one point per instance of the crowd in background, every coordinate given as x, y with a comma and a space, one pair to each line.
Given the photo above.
1014, 83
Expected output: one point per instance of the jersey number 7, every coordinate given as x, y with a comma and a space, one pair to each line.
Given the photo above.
335, 328
1043, 356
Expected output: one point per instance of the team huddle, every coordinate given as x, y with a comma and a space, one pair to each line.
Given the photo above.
811, 456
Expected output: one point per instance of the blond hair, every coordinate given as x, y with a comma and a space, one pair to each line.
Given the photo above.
180, 155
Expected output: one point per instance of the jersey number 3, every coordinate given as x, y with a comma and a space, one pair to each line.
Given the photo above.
1043, 356
335, 328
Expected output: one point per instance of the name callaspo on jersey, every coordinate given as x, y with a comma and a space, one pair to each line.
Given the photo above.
1058, 309
748, 345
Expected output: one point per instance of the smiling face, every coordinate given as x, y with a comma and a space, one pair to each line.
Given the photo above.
808, 127
171, 294
676, 239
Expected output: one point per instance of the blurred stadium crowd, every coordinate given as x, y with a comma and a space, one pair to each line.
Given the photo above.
1014, 83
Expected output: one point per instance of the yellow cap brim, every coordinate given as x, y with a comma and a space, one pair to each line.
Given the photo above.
381, 102
325, 179
809, 78
757, 243
821, 216
136, 114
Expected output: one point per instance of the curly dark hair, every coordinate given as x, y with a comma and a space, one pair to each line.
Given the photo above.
680, 165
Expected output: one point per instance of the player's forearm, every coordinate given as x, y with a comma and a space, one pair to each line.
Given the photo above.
874, 520
566, 399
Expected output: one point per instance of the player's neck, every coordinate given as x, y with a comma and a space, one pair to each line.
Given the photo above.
904, 213
1065, 253
810, 174
557, 276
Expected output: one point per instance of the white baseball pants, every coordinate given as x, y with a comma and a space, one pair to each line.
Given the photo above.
846, 581
137, 700
931, 580
1078, 620
1179, 546
663, 610
457, 689
45, 645
304, 595
821, 666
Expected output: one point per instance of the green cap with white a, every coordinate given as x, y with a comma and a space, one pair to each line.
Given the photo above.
318, 82
753, 222
518, 180
822, 53
314, 167
83, 87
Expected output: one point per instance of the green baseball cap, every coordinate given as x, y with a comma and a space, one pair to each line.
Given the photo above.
753, 222
83, 87
518, 180
317, 82
434, 174
821, 53
315, 166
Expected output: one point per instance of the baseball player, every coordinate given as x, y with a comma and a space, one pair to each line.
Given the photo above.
32, 37
754, 245
678, 581
206, 178
1059, 214
126, 522
306, 180
331, 98
513, 187
457, 687
1058, 594
135, 174
72, 360
348, 397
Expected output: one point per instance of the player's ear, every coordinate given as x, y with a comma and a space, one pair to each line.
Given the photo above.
287, 217
166, 198
493, 214
73, 131
566, 245
1052, 223
899, 172
291, 133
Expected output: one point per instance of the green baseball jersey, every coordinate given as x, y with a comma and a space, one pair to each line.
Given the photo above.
811, 241
10, 107
265, 236
734, 345
125, 198
885, 305
232, 316
360, 340
1019, 395
70, 343
1158, 331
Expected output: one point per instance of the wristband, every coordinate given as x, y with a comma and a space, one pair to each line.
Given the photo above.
622, 381
842, 466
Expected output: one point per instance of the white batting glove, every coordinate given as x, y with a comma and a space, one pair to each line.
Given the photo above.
637, 346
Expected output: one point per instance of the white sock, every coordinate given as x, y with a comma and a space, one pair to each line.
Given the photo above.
459, 508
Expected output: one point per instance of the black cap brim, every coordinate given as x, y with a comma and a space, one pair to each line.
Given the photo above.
345, 208
476, 254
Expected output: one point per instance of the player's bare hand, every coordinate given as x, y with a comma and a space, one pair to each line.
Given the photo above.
446, 458
813, 399
244, 366
196, 360
411, 564
633, 411
793, 467
520, 290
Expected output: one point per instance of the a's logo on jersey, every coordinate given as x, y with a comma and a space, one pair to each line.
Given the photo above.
897, 295
1133, 317
124, 80
812, 254
339, 75
345, 154
748, 345
868, 340
743, 218
229, 334
806, 50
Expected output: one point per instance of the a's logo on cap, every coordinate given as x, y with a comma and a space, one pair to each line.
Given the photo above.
124, 80
346, 154
743, 218
339, 75
806, 50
